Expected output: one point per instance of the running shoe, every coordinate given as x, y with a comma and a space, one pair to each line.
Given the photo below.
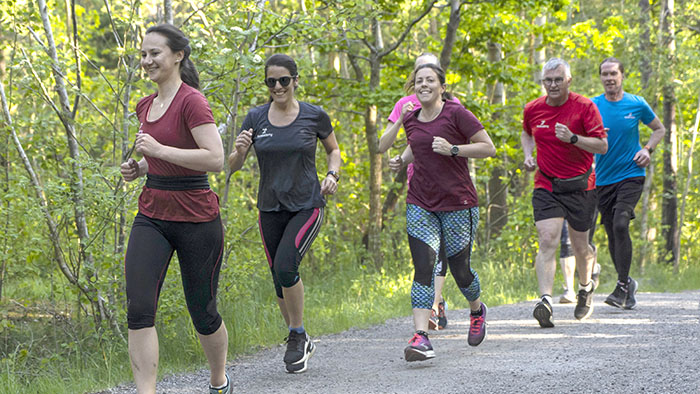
419, 348
477, 327
442, 316
543, 314
567, 297
299, 349
631, 301
433, 320
584, 304
618, 297
224, 390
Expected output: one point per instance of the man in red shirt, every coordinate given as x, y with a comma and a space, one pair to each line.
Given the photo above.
566, 128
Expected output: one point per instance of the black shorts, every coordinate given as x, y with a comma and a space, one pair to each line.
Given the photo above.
578, 208
622, 195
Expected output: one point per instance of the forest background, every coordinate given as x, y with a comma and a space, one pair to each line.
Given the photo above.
70, 79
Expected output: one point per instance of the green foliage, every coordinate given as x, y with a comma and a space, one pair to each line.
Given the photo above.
52, 324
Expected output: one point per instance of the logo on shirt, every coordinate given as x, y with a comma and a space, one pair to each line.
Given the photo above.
630, 116
264, 133
542, 125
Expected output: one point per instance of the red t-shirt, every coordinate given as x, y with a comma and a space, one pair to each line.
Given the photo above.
556, 158
188, 110
441, 183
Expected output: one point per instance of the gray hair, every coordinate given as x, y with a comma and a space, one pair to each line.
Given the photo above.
554, 63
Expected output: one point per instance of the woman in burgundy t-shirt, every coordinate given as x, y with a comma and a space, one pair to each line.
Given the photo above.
442, 207
178, 212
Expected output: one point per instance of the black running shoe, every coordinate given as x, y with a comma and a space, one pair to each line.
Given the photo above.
631, 301
584, 304
299, 349
618, 297
543, 314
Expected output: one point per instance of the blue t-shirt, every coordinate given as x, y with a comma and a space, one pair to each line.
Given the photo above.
622, 118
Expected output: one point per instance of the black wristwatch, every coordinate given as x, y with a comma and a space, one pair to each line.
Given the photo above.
455, 150
334, 174
574, 139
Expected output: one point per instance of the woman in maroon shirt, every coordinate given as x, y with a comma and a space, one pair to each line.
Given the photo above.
178, 212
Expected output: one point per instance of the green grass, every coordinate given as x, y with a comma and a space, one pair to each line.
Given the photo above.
67, 357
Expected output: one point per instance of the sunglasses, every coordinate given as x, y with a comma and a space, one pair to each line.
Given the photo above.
284, 81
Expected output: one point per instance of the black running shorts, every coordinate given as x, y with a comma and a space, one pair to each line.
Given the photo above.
578, 208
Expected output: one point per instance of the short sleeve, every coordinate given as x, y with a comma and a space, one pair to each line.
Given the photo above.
396, 112
196, 111
647, 113
247, 122
526, 121
593, 122
467, 123
324, 128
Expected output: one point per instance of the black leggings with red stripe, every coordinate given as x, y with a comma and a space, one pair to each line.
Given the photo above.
199, 249
287, 236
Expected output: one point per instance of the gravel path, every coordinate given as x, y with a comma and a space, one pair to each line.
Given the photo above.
653, 349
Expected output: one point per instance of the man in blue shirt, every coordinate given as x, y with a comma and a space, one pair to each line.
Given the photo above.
620, 173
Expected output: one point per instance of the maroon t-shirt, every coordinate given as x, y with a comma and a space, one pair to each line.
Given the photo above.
554, 157
188, 110
441, 183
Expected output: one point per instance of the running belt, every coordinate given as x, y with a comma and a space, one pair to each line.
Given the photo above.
177, 183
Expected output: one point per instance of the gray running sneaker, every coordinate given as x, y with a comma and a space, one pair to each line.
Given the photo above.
224, 390
543, 314
617, 297
584, 304
631, 301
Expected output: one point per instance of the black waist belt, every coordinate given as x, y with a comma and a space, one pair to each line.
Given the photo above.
177, 182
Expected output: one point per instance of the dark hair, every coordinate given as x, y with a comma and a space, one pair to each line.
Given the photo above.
408, 86
613, 60
177, 42
282, 60
440, 74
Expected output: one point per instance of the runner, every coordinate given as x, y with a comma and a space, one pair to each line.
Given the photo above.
621, 171
284, 133
441, 203
438, 315
178, 212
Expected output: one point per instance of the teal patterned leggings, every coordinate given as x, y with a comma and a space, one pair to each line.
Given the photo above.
456, 231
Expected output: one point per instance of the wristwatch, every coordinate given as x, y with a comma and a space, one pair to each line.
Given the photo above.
455, 150
334, 174
574, 139
649, 148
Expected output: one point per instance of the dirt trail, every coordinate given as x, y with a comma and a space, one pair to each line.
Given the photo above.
653, 349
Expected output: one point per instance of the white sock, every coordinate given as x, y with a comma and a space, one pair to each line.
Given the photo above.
548, 298
587, 287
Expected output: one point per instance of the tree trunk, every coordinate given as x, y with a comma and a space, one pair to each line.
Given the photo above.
375, 170
645, 68
669, 218
168, 11
497, 203
451, 33
684, 198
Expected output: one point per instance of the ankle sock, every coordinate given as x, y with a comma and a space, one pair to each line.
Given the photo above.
220, 387
298, 330
547, 298
479, 312
588, 287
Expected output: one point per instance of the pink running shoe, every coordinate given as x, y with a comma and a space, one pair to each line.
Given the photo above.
477, 327
419, 348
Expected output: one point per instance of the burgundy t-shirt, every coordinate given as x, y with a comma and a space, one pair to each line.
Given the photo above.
556, 158
188, 110
441, 183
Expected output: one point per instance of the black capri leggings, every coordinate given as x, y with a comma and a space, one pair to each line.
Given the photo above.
287, 236
199, 248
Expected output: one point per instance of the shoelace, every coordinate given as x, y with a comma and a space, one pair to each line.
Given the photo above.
416, 338
477, 323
